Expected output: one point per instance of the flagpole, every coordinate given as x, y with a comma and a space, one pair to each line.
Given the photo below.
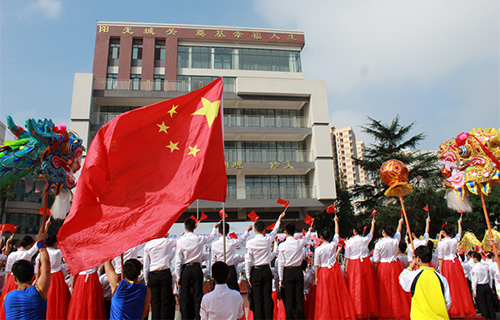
224, 229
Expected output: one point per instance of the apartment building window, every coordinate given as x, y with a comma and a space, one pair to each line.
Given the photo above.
160, 52
158, 82
114, 50
231, 187
137, 49
135, 82
111, 81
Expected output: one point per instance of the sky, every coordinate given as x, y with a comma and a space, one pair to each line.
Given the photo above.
432, 63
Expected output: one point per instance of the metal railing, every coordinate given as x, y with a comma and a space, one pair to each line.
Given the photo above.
265, 121
266, 155
154, 85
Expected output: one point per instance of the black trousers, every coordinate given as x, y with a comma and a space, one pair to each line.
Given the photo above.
293, 289
261, 279
191, 290
232, 281
484, 301
162, 297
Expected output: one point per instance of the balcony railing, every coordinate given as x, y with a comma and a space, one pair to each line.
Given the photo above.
265, 121
299, 192
265, 155
154, 85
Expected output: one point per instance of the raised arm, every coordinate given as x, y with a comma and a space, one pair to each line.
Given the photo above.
212, 235
277, 226
427, 225
8, 248
43, 281
460, 226
372, 230
400, 225
337, 229
112, 276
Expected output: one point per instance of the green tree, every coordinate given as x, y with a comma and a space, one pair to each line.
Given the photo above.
6, 193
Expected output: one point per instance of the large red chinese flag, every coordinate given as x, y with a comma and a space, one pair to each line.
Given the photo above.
142, 170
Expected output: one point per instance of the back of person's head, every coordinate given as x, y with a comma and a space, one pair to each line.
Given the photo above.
26, 242
326, 234
477, 256
418, 231
189, 224
430, 245
402, 246
220, 272
389, 230
221, 230
448, 229
23, 270
259, 226
424, 254
50, 240
132, 269
469, 254
290, 229
359, 228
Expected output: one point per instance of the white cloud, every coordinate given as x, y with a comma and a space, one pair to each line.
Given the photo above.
50, 8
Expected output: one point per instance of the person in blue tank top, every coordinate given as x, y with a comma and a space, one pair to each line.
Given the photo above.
29, 301
130, 297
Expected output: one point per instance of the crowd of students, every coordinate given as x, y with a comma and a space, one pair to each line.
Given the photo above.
399, 279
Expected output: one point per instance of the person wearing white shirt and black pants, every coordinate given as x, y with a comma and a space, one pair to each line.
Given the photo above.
158, 254
290, 256
481, 287
188, 269
231, 245
257, 259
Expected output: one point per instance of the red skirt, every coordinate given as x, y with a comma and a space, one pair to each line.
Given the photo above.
394, 302
361, 282
332, 297
461, 300
87, 300
58, 297
310, 303
9, 286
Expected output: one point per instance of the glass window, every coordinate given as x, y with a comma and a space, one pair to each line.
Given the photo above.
158, 82
200, 57
114, 50
111, 81
159, 52
136, 51
223, 58
135, 82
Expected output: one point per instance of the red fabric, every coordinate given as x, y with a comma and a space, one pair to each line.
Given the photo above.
330, 209
87, 301
9, 286
309, 220
244, 316
42, 211
58, 297
393, 301
279, 307
253, 216
461, 300
203, 216
220, 214
426, 208
303, 232
361, 283
284, 203
310, 304
233, 235
271, 226
142, 170
333, 300
9, 227
373, 213
194, 218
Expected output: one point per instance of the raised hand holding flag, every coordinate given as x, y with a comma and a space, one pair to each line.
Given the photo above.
271, 226
203, 216
283, 202
373, 213
426, 208
330, 209
309, 220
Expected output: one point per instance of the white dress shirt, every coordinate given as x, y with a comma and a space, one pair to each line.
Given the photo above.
447, 248
324, 255
480, 274
291, 253
221, 304
496, 279
190, 248
417, 243
20, 254
386, 249
403, 257
258, 250
55, 256
357, 247
407, 277
231, 246
131, 253
158, 254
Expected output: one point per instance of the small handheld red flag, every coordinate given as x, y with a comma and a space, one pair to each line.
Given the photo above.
233, 235
203, 216
194, 218
426, 208
42, 211
309, 220
284, 203
253, 216
330, 209
461, 212
373, 213
221, 212
303, 232
401, 211
10, 227
271, 226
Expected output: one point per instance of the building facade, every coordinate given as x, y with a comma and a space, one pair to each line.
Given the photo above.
345, 148
275, 122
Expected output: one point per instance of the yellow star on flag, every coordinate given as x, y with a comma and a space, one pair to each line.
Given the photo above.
193, 150
163, 127
172, 111
210, 110
173, 146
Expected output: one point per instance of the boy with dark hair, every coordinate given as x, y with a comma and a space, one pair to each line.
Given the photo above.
481, 290
130, 297
29, 301
222, 302
188, 257
430, 291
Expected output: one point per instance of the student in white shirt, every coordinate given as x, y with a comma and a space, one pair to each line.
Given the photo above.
481, 289
290, 255
417, 242
158, 254
222, 303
